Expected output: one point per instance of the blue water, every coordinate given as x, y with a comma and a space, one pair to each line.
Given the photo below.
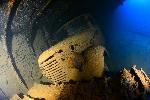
127, 34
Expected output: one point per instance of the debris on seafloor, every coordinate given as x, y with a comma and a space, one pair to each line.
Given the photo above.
92, 90
132, 84
48, 92
135, 83
75, 58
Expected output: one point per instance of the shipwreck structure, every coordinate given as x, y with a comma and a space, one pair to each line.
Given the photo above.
130, 84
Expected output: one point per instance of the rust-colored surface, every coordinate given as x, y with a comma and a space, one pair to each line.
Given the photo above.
135, 83
10, 3
95, 89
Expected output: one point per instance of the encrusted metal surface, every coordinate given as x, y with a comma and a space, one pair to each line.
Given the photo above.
135, 83
65, 61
